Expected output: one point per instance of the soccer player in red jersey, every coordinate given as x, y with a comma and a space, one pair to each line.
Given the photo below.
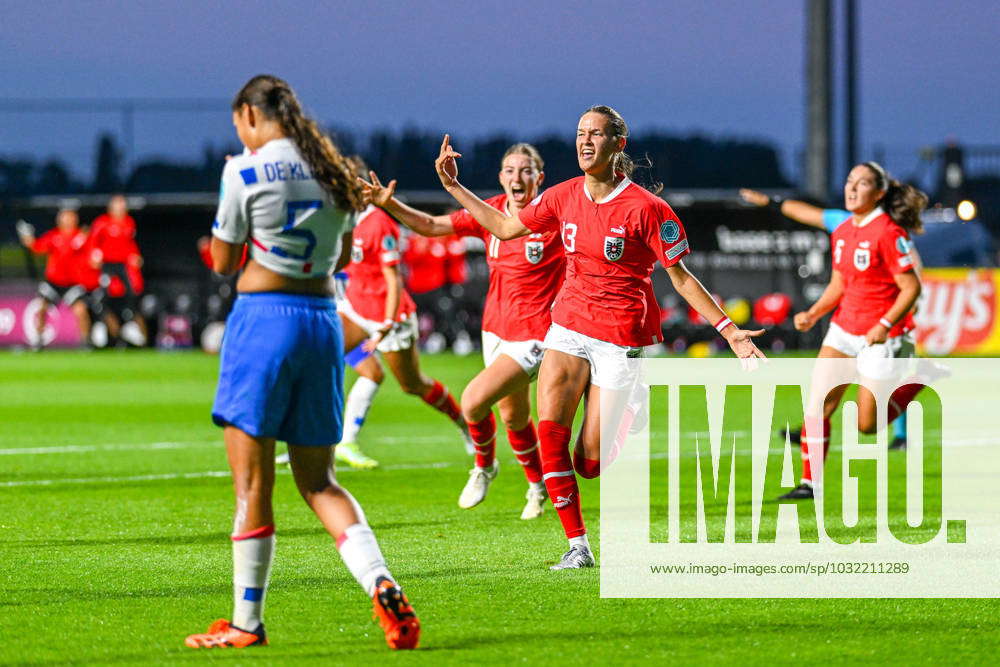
613, 232
525, 276
65, 246
376, 307
114, 250
828, 220
874, 287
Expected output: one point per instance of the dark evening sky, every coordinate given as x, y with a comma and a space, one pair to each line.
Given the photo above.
725, 68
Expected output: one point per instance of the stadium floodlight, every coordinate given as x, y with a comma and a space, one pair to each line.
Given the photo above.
966, 210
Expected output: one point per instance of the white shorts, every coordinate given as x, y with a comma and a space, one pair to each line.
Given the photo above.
612, 366
870, 357
527, 353
402, 336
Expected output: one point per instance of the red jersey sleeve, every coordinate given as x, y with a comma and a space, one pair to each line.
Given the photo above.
43, 244
541, 215
666, 236
464, 224
388, 243
894, 247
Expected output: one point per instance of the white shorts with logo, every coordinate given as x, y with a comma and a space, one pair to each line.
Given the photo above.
402, 337
612, 366
527, 353
869, 356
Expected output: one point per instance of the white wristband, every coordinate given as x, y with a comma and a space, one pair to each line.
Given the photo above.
722, 324
886, 323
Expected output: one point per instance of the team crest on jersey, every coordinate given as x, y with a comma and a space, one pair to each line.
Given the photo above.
862, 258
357, 253
533, 251
614, 246
670, 231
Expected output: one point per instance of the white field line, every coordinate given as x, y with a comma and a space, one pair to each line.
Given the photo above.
971, 442
83, 449
149, 446
194, 475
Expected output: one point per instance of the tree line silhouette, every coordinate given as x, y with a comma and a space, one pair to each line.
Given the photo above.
679, 162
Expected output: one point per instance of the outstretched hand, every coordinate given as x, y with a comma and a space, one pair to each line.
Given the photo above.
741, 342
446, 164
374, 192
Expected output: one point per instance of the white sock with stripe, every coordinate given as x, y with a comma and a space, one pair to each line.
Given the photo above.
252, 555
361, 554
359, 401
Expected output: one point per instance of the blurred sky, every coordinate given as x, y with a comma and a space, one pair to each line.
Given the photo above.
724, 68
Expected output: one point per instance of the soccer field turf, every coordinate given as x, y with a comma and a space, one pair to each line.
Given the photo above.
116, 506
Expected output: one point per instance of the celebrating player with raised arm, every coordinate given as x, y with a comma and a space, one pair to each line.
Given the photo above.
294, 198
874, 288
65, 245
525, 276
613, 232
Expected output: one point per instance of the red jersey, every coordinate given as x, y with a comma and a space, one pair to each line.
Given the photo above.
114, 239
376, 244
525, 276
454, 264
66, 253
611, 248
868, 257
426, 262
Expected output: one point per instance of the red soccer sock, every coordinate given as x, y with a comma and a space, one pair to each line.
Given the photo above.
560, 480
586, 468
525, 445
441, 400
813, 438
484, 434
902, 397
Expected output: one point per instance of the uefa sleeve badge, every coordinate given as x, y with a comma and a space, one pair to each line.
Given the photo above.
670, 231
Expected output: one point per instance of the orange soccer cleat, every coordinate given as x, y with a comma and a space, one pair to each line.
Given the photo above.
395, 615
223, 635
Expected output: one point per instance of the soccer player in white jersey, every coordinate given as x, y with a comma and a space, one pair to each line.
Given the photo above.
294, 199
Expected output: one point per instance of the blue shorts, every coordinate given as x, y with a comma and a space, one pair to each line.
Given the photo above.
281, 370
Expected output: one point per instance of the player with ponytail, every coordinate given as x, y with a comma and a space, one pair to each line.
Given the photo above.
873, 287
613, 232
293, 199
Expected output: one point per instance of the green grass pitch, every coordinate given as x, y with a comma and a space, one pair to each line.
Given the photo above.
114, 546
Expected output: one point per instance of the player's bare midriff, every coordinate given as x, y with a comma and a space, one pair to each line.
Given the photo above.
257, 278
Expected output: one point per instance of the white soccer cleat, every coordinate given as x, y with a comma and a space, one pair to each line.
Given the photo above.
536, 502
576, 558
478, 484
282, 459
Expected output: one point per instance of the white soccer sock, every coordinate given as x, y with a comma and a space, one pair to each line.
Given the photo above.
359, 400
360, 553
580, 540
251, 570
